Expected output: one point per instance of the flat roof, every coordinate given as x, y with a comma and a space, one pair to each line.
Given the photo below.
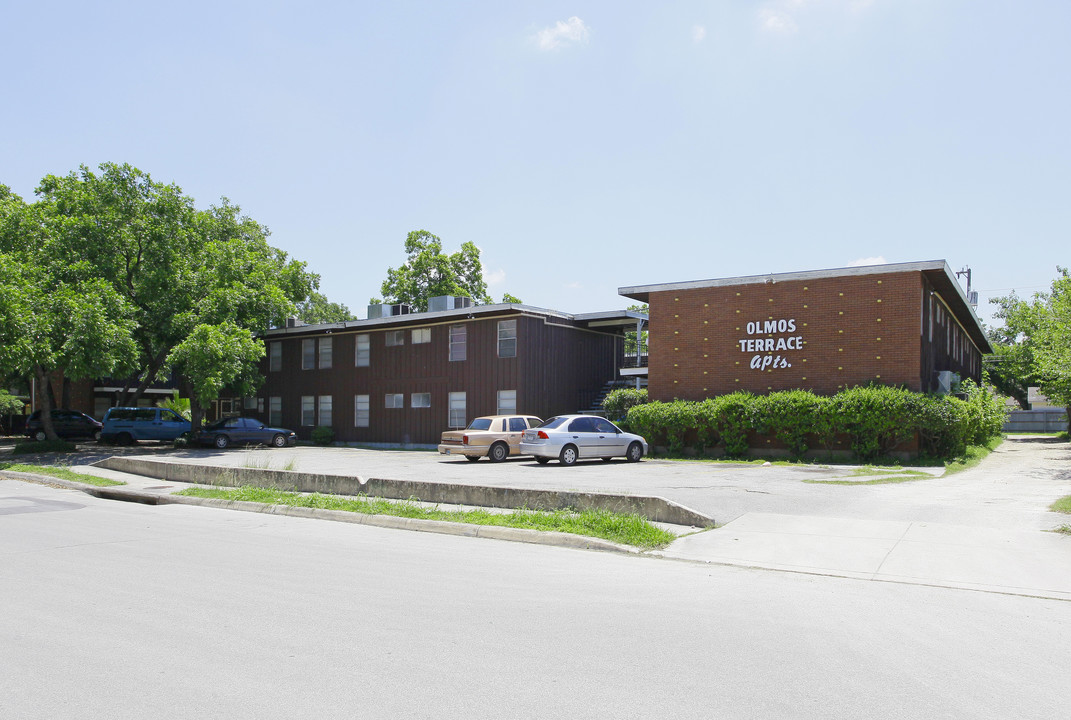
937, 272
608, 318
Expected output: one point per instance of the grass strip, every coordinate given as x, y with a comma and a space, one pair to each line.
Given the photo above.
60, 472
1063, 505
878, 475
974, 455
624, 529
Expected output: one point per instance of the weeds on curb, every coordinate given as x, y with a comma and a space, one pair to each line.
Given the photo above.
61, 473
625, 529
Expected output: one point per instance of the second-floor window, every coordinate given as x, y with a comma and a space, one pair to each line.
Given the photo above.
421, 335
364, 351
394, 400
308, 354
457, 342
395, 337
325, 353
507, 338
275, 356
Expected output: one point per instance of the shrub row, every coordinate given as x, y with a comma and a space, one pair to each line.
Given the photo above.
874, 419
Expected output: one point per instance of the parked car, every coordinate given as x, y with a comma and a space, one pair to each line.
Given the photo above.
244, 431
575, 437
125, 425
496, 436
66, 423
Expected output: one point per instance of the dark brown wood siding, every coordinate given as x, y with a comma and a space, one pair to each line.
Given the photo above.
558, 368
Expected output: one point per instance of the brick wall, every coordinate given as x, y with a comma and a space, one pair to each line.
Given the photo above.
820, 334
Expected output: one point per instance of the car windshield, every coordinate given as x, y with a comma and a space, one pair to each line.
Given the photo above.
480, 424
553, 422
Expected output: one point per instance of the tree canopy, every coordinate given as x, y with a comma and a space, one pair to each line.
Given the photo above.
429, 272
111, 273
1034, 345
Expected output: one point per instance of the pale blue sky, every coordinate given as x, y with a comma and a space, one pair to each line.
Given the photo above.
583, 146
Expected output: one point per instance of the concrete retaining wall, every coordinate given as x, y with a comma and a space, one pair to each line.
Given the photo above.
655, 509
1047, 420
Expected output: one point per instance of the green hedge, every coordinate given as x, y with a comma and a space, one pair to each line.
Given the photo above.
875, 420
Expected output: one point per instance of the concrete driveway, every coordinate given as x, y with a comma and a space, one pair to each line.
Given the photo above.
985, 528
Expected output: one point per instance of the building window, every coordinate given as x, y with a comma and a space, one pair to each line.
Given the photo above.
360, 410
507, 338
308, 410
395, 337
275, 411
457, 410
325, 353
394, 400
421, 335
308, 354
325, 411
457, 342
507, 402
364, 352
421, 400
275, 357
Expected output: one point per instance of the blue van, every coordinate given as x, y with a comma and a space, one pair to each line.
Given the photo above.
126, 425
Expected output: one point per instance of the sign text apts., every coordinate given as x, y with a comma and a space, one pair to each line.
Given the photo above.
767, 349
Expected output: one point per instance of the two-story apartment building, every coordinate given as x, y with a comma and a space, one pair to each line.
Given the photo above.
906, 324
404, 378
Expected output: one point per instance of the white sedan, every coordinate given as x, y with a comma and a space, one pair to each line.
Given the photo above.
575, 437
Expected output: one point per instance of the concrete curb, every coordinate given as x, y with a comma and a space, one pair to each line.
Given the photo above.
655, 509
535, 537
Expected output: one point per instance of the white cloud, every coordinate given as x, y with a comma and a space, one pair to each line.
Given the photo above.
699, 33
879, 260
777, 21
780, 16
572, 30
495, 277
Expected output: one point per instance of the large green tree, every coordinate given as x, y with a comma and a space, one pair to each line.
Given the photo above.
1035, 341
429, 272
317, 309
56, 313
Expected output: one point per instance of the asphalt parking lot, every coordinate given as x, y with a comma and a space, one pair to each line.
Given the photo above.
1011, 489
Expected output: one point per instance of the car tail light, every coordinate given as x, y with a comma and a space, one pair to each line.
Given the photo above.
464, 439
542, 435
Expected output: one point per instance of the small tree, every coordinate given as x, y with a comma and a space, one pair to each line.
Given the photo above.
429, 272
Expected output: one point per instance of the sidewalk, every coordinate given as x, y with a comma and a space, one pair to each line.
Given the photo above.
1005, 561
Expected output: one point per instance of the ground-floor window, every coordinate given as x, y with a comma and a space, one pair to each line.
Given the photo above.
308, 410
360, 410
507, 402
421, 400
325, 411
394, 400
275, 411
457, 410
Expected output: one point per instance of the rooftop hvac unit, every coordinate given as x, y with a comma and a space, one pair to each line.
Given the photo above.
440, 303
400, 309
376, 311
946, 380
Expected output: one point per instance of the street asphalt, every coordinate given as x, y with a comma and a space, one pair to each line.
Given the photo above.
987, 529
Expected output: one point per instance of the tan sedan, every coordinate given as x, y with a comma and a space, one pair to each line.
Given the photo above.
496, 436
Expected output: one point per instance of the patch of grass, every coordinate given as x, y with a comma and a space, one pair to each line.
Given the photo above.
1063, 530
60, 472
1062, 435
878, 475
974, 455
47, 446
263, 460
625, 529
1063, 505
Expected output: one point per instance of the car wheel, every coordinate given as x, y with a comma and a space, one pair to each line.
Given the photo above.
542, 460
96, 435
40, 436
634, 452
124, 439
278, 441
472, 458
221, 441
499, 452
568, 455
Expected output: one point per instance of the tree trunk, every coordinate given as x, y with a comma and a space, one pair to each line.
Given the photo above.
48, 401
65, 393
197, 414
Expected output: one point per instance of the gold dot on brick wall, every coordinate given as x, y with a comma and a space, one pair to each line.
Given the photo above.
704, 389
771, 299
840, 368
841, 312
804, 378
804, 359
805, 308
704, 372
676, 316
879, 282
676, 365
878, 339
804, 324
841, 294
840, 349
706, 339
676, 348
736, 380
706, 304
706, 322
804, 287
705, 355
676, 300
738, 312
738, 329
840, 331
879, 319
738, 294
879, 299
674, 382
878, 377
